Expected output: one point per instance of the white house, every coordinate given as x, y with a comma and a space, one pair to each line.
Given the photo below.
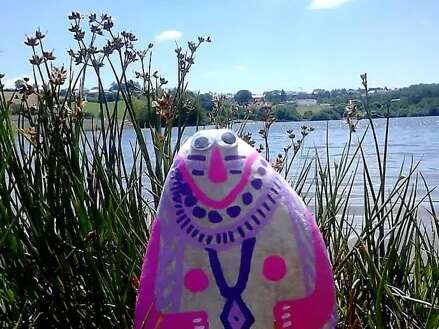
258, 98
306, 101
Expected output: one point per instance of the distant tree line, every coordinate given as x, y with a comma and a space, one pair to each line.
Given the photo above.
416, 100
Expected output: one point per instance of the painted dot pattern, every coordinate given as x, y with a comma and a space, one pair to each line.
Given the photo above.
196, 280
261, 171
214, 217
233, 211
199, 212
190, 201
190, 214
274, 268
257, 183
247, 198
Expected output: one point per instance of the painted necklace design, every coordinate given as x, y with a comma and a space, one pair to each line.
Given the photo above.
232, 247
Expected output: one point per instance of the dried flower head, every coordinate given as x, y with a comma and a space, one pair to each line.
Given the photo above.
91, 236
48, 55
58, 76
108, 24
39, 35
96, 29
80, 103
97, 63
74, 15
24, 88
30, 134
352, 115
364, 80
108, 48
135, 282
92, 18
164, 107
79, 36
129, 36
192, 46
31, 42
248, 139
36, 60
278, 163
117, 43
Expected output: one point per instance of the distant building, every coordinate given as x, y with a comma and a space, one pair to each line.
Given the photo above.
379, 90
94, 93
258, 98
306, 101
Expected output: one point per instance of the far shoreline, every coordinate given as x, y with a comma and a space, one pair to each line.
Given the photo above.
90, 124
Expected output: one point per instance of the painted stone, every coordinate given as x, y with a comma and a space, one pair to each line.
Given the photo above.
233, 246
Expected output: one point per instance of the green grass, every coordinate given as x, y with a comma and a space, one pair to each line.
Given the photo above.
94, 108
313, 108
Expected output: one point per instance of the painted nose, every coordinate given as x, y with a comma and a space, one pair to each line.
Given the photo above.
217, 170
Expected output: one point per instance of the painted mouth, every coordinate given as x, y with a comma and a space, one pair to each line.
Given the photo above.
234, 191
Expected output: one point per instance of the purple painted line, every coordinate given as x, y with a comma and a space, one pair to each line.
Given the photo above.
187, 221
266, 206
271, 198
234, 157
197, 157
225, 237
256, 220
261, 213
181, 218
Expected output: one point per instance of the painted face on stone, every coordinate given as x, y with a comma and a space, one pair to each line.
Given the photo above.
222, 173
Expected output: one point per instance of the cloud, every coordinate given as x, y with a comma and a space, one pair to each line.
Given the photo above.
10, 82
168, 35
240, 67
325, 4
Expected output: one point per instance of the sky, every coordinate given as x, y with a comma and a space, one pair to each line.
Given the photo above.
258, 45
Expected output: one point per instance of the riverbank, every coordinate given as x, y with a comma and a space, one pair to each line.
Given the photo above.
88, 124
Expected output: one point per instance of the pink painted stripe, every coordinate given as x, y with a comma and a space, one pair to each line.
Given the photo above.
226, 201
314, 311
146, 314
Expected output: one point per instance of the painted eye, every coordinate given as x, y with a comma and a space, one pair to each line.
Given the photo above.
201, 143
228, 138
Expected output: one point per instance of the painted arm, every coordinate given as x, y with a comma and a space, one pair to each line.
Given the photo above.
317, 309
146, 315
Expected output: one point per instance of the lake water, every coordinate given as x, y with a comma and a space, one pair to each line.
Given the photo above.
416, 138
